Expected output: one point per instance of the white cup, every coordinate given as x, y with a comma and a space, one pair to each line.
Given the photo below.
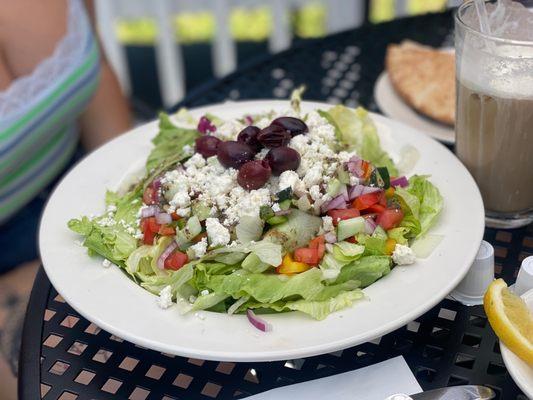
471, 289
524, 280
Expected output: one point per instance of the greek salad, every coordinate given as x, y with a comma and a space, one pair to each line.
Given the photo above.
281, 211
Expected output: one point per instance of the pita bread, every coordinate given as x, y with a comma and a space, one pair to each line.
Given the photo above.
424, 78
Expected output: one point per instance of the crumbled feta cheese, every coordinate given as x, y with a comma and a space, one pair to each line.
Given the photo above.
204, 292
184, 212
354, 180
314, 192
199, 248
228, 130
217, 234
327, 224
180, 200
197, 160
106, 263
403, 255
313, 176
111, 208
165, 297
276, 207
288, 179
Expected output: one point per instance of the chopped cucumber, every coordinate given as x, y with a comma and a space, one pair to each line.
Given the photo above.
193, 227
334, 187
343, 175
201, 211
285, 204
266, 212
277, 219
350, 227
285, 194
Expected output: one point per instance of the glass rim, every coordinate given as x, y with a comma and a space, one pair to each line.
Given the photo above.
471, 29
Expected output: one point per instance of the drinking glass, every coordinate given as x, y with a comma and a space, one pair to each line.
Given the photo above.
494, 118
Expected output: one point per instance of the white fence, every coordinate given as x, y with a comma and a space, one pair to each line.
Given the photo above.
341, 15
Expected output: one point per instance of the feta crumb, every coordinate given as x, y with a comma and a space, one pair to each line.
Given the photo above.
276, 207
313, 176
165, 297
106, 263
183, 212
288, 179
327, 224
354, 180
204, 292
403, 255
217, 234
199, 248
111, 208
180, 200
197, 160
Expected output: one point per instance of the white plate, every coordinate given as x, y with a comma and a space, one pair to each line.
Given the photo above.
392, 105
116, 304
521, 372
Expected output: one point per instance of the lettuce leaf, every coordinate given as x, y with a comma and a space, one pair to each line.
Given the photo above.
358, 132
168, 145
366, 270
430, 199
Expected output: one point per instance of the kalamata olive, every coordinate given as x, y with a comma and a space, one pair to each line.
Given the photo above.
207, 145
249, 136
254, 174
294, 125
282, 159
274, 136
233, 154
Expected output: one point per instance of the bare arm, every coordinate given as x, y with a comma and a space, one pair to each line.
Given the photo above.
108, 113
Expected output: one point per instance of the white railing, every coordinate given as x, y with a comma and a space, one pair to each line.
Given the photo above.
341, 15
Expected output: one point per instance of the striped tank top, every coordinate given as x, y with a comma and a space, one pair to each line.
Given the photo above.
38, 113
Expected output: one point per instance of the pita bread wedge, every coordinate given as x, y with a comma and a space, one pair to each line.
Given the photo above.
424, 78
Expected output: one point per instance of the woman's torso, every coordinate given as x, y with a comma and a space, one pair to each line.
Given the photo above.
39, 109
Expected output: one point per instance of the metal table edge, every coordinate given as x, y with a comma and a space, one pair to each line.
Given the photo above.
29, 370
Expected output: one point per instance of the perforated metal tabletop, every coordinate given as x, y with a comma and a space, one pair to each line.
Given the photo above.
66, 357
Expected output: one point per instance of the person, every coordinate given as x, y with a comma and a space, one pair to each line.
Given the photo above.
58, 99
57, 91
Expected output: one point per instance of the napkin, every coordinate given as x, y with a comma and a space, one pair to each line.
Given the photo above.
374, 382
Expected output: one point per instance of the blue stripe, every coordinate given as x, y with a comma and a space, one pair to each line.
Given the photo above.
49, 111
38, 169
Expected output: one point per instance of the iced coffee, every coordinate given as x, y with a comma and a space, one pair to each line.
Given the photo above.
494, 126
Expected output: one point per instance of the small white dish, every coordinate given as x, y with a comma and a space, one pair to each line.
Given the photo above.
520, 371
106, 297
392, 105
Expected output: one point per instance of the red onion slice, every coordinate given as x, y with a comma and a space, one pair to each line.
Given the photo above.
258, 322
164, 255
358, 190
370, 189
370, 226
330, 237
205, 125
338, 203
344, 193
163, 218
400, 181
149, 211
355, 166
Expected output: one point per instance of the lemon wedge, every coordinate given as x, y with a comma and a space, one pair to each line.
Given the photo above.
510, 318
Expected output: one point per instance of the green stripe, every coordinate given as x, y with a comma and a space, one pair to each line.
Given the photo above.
22, 170
23, 197
54, 95
58, 115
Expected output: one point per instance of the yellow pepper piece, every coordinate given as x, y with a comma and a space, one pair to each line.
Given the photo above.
390, 244
389, 192
289, 266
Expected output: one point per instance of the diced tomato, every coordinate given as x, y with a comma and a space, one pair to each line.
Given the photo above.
306, 255
167, 230
175, 217
367, 169
176, 260
366, 200
152, 224
389, 219
351, 239
338, 215
376, 208
150, 195
148, 237
318, 243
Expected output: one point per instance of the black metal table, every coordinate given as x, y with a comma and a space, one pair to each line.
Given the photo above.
66, 357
